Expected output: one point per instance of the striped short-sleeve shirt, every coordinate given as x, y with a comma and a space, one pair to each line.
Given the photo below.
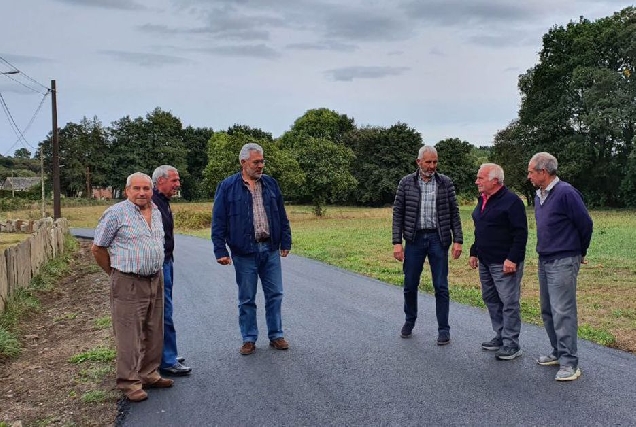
133, 246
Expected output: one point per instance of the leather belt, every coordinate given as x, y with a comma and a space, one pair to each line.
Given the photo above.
263, 240
427, 230
140, 276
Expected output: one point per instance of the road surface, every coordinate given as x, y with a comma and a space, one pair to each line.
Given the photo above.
347, 364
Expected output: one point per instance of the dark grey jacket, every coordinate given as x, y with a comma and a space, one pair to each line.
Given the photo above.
406, 210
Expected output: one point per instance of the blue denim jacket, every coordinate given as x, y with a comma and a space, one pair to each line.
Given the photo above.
233, 218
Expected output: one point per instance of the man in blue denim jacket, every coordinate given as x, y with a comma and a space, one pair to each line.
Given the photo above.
249, 217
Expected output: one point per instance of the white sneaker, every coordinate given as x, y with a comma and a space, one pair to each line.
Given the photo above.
548, 360
567, 373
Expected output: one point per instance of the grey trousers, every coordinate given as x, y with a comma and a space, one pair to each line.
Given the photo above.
557, 286
501, 293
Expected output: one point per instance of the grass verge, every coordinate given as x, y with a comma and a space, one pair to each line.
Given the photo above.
24, 302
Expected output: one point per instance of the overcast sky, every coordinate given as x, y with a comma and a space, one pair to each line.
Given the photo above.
448, 68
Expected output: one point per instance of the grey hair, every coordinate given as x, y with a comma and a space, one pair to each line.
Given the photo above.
426, 149
495, 171
162, 172
245, 150
135, 175
545, 161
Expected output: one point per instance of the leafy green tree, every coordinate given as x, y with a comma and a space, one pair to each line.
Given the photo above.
580, 101
195, 141
223, 160
326, 165
628, 185
22, 153
83, 155
142, 144
383, 157
458, 161
512, 151
318, 123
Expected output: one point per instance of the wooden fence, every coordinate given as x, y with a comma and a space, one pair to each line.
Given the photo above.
20, 263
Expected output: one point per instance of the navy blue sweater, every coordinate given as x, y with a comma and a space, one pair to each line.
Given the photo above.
501, 230
564, 227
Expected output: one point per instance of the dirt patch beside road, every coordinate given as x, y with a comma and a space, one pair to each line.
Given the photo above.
43, 386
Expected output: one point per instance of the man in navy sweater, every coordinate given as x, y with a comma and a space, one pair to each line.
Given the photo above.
564, 231
501, 234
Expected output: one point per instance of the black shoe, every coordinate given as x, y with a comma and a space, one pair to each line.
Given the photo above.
407, 330
177, 369
492, 345
443, 339
180, 359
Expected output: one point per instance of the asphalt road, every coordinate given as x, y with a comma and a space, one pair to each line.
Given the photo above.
347, 364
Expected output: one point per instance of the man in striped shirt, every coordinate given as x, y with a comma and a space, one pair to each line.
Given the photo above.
128, 246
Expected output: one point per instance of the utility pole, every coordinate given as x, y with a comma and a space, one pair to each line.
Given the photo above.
57, 211
42, 179
89, 193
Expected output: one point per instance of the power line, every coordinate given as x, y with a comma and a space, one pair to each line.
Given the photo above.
22, 84
14, 126
22, 73
28, 126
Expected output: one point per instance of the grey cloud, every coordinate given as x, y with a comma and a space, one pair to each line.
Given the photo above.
347, 74
107, 4
24, 59
324, 45
461, 12
144, 59
229, 34
436, 52
395, 53
251, 51
346, 22
365, 24
503, 39
511, 69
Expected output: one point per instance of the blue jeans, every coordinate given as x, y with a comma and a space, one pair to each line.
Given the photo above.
264, 264
169, 355
557, 287
501, 293
426, 245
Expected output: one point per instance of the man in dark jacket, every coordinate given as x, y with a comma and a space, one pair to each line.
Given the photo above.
426, 216
249, 216
564, 232
166, 185
501, 234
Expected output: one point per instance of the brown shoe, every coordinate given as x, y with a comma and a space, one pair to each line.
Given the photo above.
137, 395
160, 383
247, 348
279, 344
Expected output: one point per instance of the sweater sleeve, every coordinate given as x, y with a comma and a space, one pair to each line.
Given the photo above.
581, 219
518, 229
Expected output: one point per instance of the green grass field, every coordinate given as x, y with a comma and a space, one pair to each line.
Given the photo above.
359, 239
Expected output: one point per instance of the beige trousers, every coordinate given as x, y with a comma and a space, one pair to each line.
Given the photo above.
136, 305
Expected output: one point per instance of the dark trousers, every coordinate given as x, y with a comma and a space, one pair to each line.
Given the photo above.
426, 245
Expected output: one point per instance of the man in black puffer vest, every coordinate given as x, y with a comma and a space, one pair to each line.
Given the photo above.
426, 216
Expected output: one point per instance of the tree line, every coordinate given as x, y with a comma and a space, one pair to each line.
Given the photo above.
578, 103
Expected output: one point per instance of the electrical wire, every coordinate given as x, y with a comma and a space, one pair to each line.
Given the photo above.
13, 124
22, 73
22, 84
